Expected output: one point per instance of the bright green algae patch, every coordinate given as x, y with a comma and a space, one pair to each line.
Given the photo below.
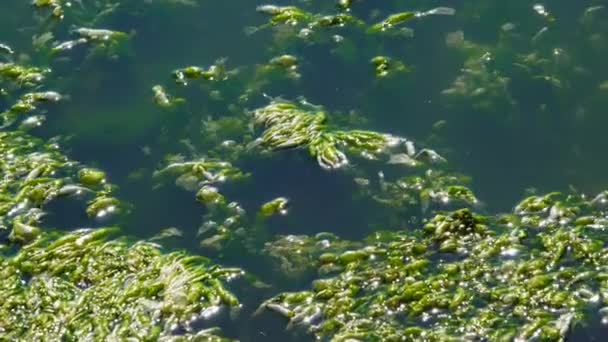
35, 173
288, 126
523, 276
534, 273
82, 285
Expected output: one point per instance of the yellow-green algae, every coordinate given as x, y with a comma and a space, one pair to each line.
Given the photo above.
289, 125
521, 259
84, 285
531, 274
35, 173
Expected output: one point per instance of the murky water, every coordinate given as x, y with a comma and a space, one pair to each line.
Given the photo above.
511, 93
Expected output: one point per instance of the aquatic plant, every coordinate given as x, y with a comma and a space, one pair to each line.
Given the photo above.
21, 87
534, 57
384, 65
22, 76
289, 125
223, 217
285, 62
215, 72
426, 188
5, 49
531, 274
397, 19
463, 276
277, 206
296, 255
486, 90
194, 174
56, 7
104, 42
294, 16
309, 22
35, 173
84, 285
93, 12
27, 104
164, 100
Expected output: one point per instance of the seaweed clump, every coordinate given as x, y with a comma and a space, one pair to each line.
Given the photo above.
533, 273
297, 255
204, 176
289, 126
83, 285
35, 173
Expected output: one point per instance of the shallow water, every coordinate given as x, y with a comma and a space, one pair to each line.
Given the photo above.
551, 139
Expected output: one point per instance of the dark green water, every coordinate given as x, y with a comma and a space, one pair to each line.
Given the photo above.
531, 118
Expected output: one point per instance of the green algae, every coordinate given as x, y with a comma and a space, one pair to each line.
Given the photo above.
515, 276
56, 7
289, 126
384, 66
289, 63
91, 177
35, 173
85, 285
27, 104
22, 76
424, 186
517, 281
191, 175
164, 100
526, 56
23, 233
277, 206
309, 22
102, 43
215, 72
222, 222
297, 255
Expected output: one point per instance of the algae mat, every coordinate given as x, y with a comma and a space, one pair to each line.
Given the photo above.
345, 170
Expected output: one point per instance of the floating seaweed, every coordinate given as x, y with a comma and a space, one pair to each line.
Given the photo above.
296, 255
27, 104
192, 175
215, 72
384, 65
164, 100
83, 284
289, 126
395, 20
203, 176
22, 76
453, 273
34, 173
103, 42
277, 206
56, 7
462, 276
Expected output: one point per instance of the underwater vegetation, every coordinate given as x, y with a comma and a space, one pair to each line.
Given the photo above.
534, 273
83, 285
289, 126
426, 261
35, 173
